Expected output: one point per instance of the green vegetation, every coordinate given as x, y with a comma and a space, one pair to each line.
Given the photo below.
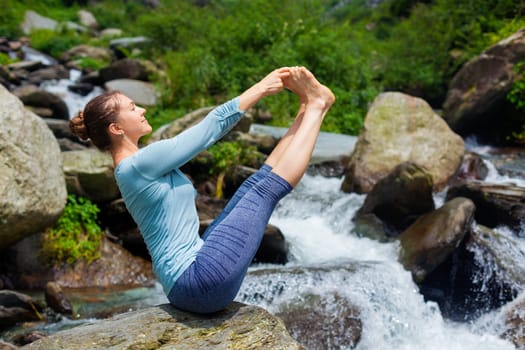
213, 52
224, 157
75, 236
517, 97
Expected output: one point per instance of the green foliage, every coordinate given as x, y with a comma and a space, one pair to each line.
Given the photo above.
90, 63
214, 52
226, 155
76, 235
517, 97
54, 42
5, 59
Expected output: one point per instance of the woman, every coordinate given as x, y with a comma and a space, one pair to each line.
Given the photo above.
203, 275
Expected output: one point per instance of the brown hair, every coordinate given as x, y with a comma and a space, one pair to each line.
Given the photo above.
93, 122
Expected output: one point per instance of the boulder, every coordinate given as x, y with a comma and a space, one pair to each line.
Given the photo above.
33, 20
55, 72
56, 299
501, 251
86, 51
311, 319
472, 168
400, 128
399, 198
17, 307
89, 173
87, 19
169, 130
238, 326
434, 236
141, 92
496, 204
116, 267
127, 69
32, 192
515, 322
477, 98
35, 97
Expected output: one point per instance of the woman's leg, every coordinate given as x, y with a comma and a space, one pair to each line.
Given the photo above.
212, 281
272, 159
294, 158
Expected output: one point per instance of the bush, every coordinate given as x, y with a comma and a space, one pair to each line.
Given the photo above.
75, 236
55, 43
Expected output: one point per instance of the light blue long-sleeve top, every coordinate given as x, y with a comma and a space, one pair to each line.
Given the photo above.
161, 199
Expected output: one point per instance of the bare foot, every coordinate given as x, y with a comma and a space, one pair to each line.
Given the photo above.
302, 82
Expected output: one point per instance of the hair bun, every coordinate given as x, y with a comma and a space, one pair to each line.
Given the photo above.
78, 127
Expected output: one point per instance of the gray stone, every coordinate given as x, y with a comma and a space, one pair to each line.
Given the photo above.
433, 237
32, 186
35, 97
177, 126
400, 128
33, 20
87, 19
476, 101
89, 173
141, 92
164, 327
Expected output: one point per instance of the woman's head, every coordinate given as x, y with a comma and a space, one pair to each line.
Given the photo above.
109, 117
93, 123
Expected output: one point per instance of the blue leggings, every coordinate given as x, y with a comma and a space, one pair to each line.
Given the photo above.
212, 281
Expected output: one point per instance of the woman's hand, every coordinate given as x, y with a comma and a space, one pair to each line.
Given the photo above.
274, 82
269, 85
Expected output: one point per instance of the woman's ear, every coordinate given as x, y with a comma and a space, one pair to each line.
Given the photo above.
115, 129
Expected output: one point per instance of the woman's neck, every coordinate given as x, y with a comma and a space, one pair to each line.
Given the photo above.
125, 148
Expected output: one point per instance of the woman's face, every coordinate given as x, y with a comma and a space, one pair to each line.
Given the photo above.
131, 118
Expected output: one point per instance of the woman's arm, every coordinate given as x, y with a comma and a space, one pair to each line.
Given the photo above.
163, 156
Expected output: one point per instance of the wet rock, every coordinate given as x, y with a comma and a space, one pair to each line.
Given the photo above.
35, 97
434, 236
515, 322
496, 204
26, 65
399, 198
57, 300
55, 72
501, 251
87, 171
33, 192
126, 69
329, 320
400, 128
17, 307
29, 337
329, 168
238, 326
273, 248
81, 88
472, 168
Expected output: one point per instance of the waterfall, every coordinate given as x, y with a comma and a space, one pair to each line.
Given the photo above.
316, 221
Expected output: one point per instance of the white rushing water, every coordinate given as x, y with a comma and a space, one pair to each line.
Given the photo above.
316, 221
